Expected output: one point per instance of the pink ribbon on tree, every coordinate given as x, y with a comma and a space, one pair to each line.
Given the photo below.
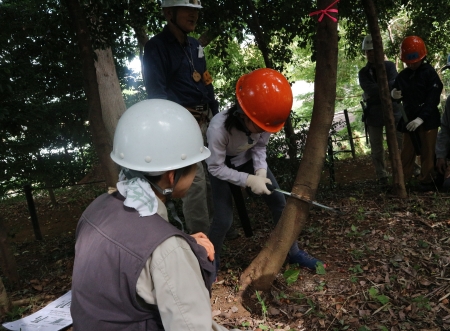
326, 11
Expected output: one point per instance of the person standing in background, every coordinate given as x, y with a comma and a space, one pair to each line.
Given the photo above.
443, 141
373, 115
419, 87
175, 69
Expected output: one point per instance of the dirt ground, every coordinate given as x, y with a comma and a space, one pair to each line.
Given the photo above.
387, 259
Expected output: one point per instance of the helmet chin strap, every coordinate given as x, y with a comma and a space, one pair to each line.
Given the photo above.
174, 21
167, 192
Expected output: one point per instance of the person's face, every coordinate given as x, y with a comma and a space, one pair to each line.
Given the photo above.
370, 56
414, 66
251, 126
184, 183
186, 18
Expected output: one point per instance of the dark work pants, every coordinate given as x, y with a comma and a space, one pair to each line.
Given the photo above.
223, 207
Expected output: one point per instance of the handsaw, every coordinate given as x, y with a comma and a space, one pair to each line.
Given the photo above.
272, 188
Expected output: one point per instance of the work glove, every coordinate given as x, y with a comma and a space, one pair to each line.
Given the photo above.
203, 241
411, 126
258, 184
396, 94
261, 173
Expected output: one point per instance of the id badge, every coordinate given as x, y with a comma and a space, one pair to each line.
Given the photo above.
200, 52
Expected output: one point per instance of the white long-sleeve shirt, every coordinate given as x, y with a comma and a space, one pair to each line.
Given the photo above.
222, 143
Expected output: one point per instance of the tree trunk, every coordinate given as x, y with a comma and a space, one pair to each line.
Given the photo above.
206, 38
388, 114
140, 31
7, 261
5, 304
100, 136
264, 268
51, 193
259, 34
291, 140
112, 103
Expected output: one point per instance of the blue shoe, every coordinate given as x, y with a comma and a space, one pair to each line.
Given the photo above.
303, 259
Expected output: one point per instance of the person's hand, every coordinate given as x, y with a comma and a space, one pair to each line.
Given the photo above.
441, 165
258, 184
413, 125
261, 173
396, 94
203, 241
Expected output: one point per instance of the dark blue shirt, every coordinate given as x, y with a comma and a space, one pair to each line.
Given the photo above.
168, 71
421, 91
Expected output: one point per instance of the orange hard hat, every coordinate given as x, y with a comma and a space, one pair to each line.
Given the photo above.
266, 98
412, 50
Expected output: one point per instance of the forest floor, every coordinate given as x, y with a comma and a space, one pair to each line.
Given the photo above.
387, 259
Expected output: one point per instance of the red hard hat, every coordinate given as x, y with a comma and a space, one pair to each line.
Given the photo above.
412, 50
266, 98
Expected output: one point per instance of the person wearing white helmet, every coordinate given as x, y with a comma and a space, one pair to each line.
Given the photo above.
373, 114
443, 141
134, 270
174, 68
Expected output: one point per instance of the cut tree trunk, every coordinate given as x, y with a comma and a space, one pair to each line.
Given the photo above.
385, 95
111, 99
100, 137
262, 271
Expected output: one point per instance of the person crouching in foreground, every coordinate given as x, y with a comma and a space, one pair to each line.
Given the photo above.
133, 270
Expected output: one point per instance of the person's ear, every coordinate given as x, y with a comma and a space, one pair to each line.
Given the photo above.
171, 177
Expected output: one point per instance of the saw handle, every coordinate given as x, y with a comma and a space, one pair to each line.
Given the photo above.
270, 187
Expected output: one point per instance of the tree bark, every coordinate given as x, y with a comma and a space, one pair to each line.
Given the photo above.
264, 268
100, 137
111, 99
385, 95
7, 261
206, 38
255, 26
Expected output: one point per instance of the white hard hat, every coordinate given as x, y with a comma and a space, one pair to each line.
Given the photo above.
181, 3
367, 43
155, 136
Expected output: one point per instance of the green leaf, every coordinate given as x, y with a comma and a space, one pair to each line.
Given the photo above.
291, 275
320, 269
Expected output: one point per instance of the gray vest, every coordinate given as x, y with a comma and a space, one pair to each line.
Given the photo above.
112, 246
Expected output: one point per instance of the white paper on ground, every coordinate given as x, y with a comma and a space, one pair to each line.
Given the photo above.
53, 317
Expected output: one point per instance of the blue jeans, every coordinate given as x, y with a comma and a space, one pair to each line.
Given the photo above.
223, 207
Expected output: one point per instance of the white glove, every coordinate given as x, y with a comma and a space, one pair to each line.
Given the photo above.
261, 173
258, 184
411, 126
396, 94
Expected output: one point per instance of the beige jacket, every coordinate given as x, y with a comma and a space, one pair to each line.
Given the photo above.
171, 279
